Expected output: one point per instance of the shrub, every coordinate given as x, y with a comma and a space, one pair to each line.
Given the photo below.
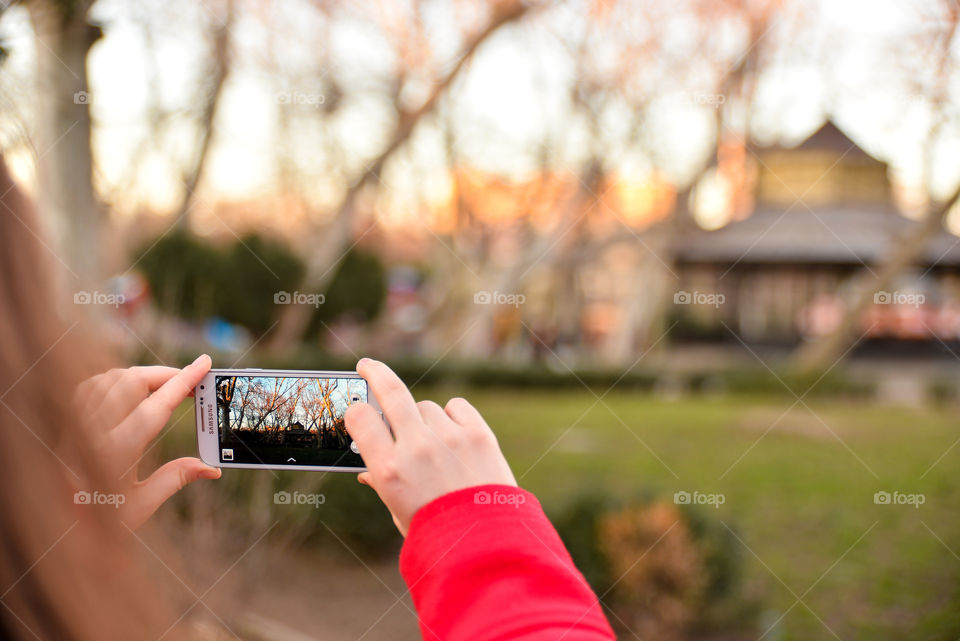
578, 527
253, 270
659, 569
664, 571
193, 279
759, 380
358, 289
943, 391
177, 267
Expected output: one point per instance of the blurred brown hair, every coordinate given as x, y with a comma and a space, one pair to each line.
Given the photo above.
67, 571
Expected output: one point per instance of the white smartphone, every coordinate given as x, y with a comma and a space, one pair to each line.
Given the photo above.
278, 419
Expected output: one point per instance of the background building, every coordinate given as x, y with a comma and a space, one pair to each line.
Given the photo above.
824, 212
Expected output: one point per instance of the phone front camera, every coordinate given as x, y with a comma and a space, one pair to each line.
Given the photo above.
201, 387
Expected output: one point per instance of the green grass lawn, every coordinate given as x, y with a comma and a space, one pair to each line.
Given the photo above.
801, 496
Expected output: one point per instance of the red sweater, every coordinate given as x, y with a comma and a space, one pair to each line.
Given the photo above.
484, 563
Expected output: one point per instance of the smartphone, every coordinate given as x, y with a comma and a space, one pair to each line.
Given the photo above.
278, 419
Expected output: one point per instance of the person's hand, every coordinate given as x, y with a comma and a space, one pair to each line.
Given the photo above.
126, 409
433, 450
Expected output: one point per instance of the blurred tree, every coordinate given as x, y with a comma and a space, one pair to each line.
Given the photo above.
193, 279
219, 63
63, 126
333, 237
358, 289
166, 119
254, 271
184, 273
613, 103
937, 45
65, 192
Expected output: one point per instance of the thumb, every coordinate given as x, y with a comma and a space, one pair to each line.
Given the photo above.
147, 496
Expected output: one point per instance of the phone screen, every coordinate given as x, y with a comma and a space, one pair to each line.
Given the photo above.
297, 420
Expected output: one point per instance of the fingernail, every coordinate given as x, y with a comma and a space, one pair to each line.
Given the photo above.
199, 358
210, 473
364, 361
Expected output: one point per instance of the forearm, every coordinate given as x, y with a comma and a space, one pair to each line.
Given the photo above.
485, 563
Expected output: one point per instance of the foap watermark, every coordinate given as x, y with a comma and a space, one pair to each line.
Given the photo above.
98, 298
705, 98
699, 498
910, 99
298, 298
83, 497
298, 498
497, 497
84, 98
899, 298
498, 298
899, 498
698, 298
298, 98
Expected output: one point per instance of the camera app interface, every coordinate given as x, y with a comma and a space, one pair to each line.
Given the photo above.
287, 421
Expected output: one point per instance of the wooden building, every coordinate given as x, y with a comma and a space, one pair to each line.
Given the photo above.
823, 211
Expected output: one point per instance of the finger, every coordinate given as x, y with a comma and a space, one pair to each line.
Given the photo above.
430, 411
89, 394
434, 417
83, 396
392, 395
145, 422
147, 496
370, 433
133, 386
463, 413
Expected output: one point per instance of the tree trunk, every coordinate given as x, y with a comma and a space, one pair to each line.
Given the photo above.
65, 195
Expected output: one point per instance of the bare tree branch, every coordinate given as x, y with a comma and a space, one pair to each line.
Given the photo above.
333, 238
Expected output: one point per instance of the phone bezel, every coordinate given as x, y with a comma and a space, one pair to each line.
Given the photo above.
208, 441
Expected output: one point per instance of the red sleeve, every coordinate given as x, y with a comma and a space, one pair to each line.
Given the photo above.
484, 563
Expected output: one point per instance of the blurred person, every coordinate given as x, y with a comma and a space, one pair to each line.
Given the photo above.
70, 444
480, 557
